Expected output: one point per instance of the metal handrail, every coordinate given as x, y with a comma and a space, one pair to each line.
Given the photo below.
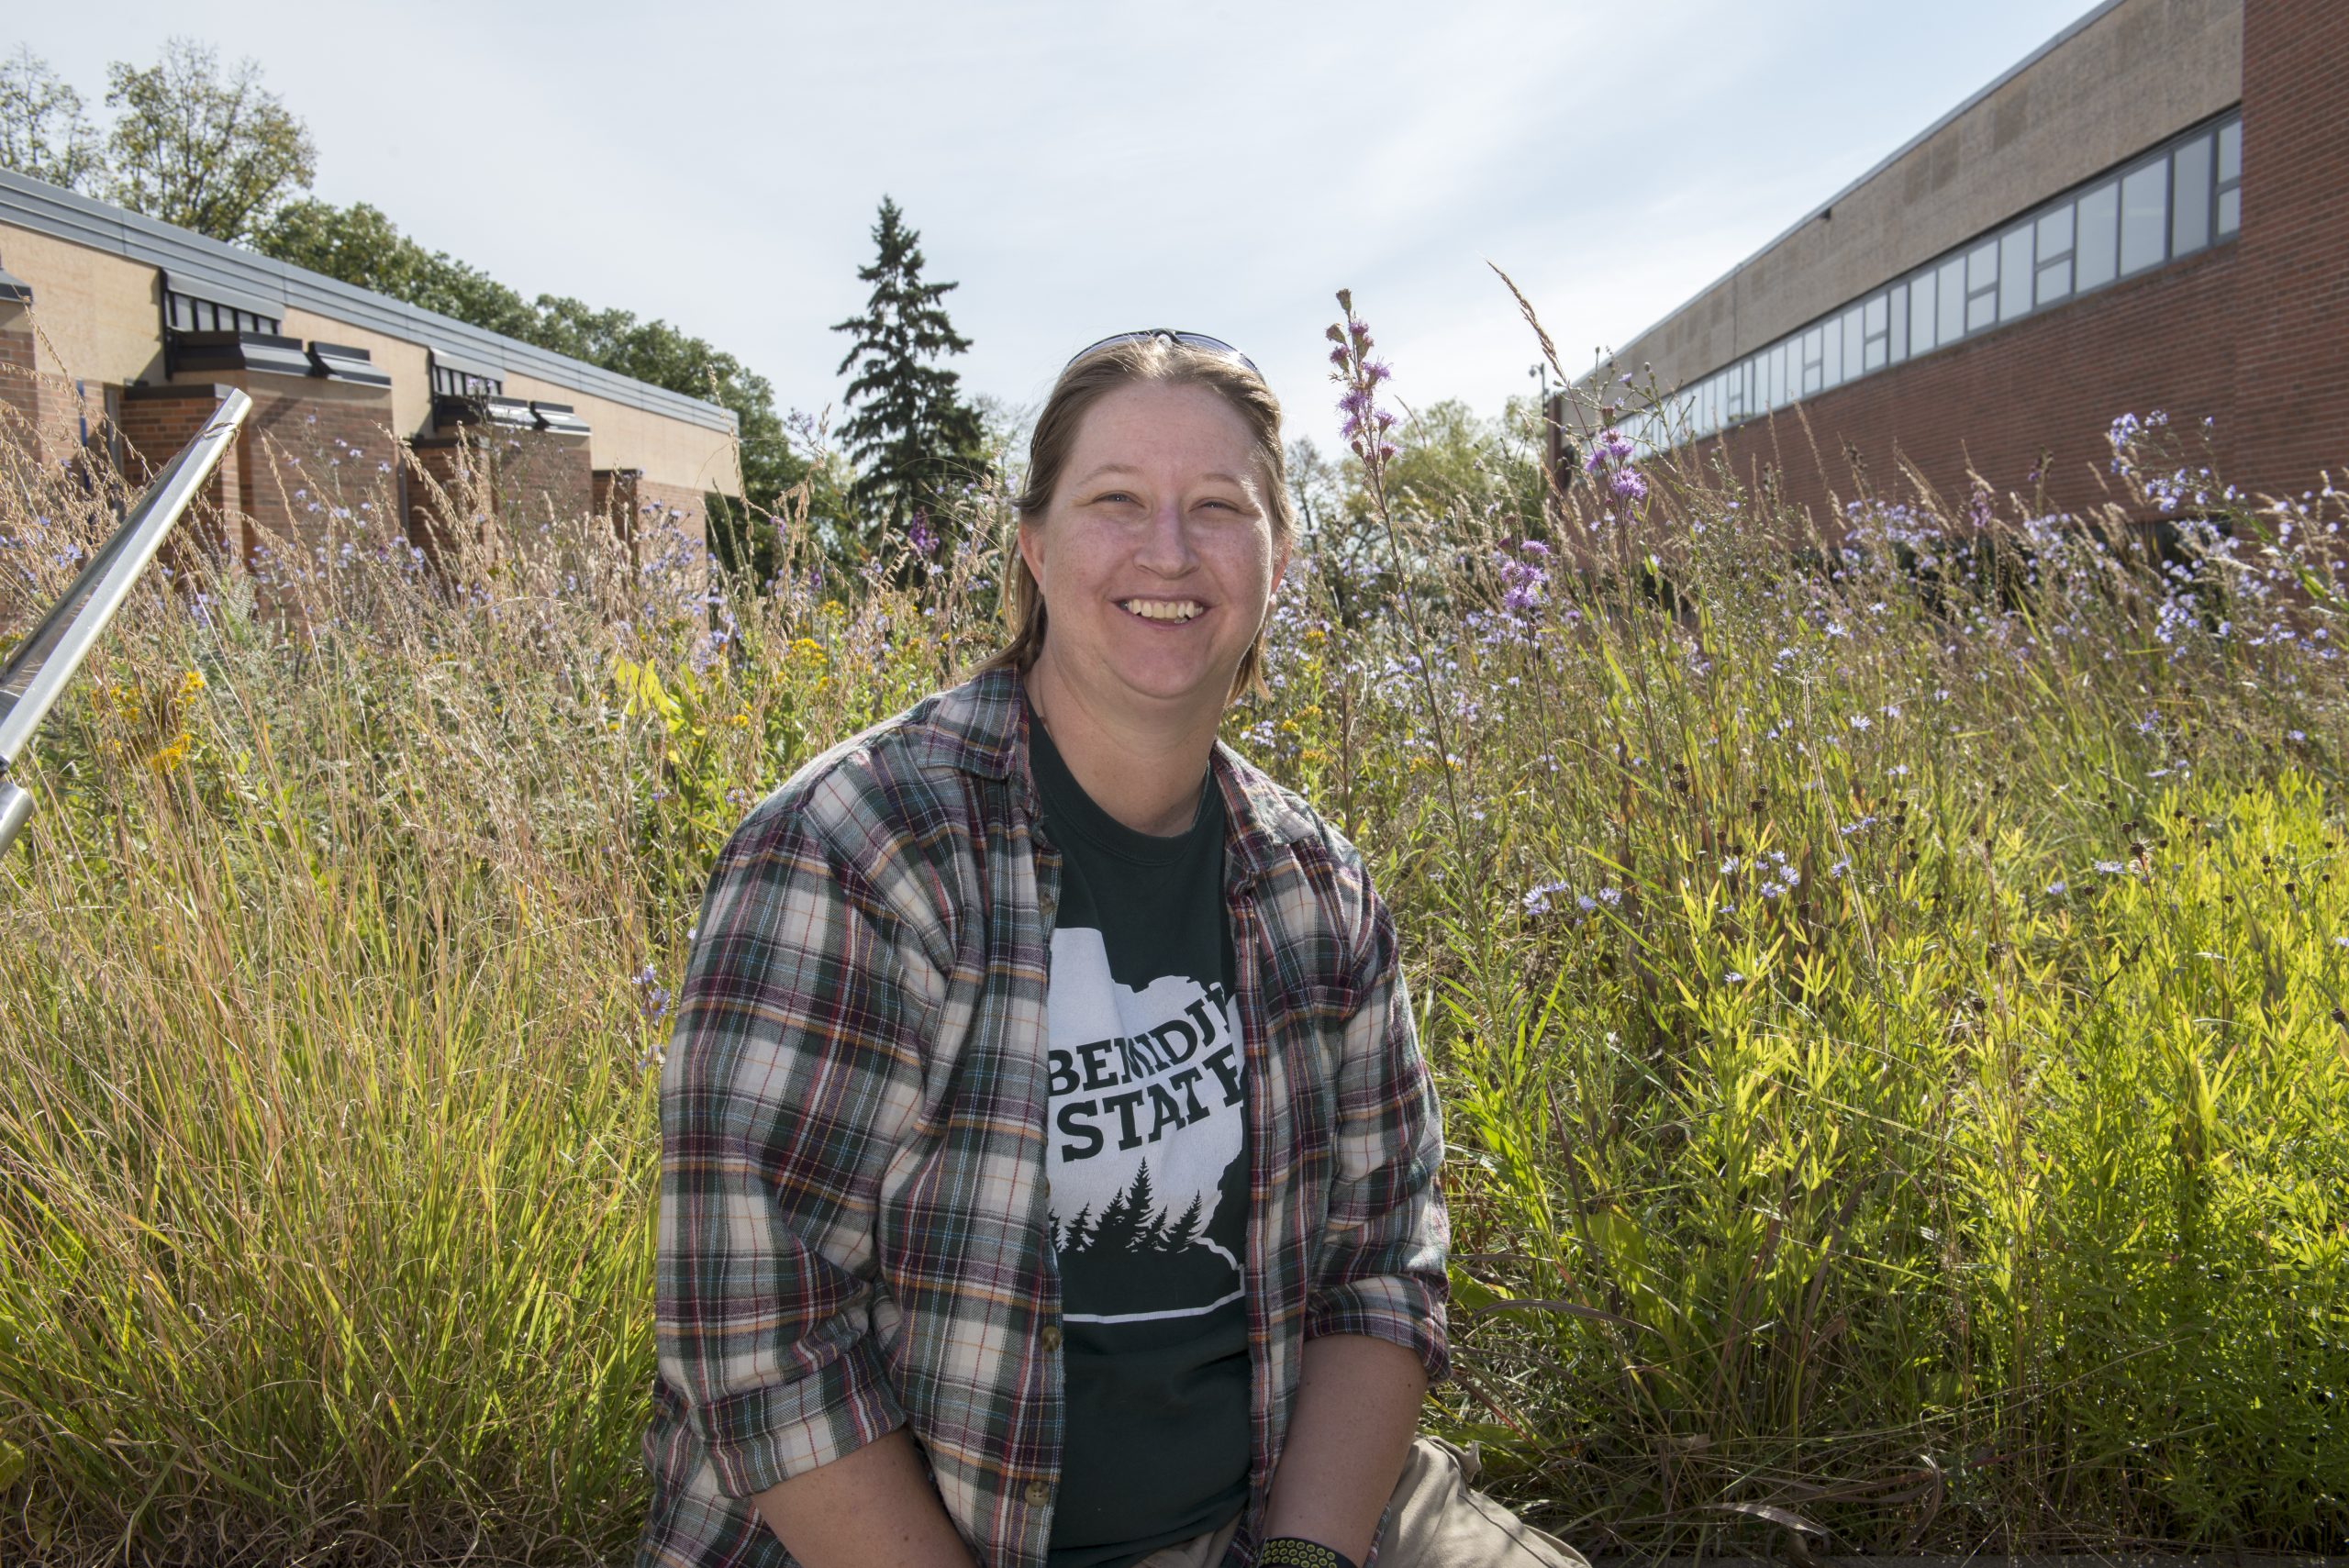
38, 667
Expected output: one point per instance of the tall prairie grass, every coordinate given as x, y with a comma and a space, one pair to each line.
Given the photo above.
1887, 991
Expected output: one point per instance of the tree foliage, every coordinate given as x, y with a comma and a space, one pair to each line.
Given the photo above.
43, 132
914, 438
207, 152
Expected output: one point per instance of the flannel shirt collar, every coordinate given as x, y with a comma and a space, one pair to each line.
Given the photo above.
981, 727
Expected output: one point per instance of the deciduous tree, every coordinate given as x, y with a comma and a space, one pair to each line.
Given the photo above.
43, 132
212, 152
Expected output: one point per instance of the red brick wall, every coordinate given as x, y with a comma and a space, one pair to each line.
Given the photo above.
18, 395
39, 413
156, 422
2048, 386
310, 446
2294, 328
526, 476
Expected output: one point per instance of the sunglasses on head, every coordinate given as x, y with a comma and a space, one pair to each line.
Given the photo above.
1188, 339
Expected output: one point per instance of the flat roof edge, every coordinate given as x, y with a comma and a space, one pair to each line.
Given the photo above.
2078, 26
47, 209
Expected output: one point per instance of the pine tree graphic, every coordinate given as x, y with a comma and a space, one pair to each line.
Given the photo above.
1184, 1231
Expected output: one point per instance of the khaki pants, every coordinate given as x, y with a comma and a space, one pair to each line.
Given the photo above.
1433, 1521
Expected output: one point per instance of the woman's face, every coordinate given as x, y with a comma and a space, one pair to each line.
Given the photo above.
1155, 556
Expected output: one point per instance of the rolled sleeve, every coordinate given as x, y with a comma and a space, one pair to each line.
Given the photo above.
790, 1080
1387, 1238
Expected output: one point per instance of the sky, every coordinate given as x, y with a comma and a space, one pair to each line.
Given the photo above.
1224, 166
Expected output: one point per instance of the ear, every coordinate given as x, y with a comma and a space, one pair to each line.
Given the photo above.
1031, 552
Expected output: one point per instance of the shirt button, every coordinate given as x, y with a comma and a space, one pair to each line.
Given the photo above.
1052, 1337
1038, 1494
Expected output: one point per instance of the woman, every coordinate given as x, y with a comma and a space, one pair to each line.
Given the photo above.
1049, 1165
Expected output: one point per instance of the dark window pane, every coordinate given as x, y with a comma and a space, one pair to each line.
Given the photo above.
2189, 224
2145, 217
2099, 238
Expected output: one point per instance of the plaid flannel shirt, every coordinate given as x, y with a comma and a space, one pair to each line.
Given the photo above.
852, 1229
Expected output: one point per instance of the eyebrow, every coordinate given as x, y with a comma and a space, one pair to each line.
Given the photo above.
1109, 468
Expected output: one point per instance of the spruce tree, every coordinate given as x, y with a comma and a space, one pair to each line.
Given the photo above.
913, 438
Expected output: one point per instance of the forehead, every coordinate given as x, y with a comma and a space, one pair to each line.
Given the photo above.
1161, 429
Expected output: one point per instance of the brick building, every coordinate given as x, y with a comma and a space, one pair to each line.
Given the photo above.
2147, 213
115, 328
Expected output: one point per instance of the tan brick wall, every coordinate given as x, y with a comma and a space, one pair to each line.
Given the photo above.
100, 316
408, 364
670, 451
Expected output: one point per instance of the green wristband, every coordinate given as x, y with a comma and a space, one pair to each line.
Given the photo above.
1288, 1551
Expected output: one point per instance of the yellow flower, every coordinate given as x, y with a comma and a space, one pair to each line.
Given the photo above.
1288, 726
171, 756
740, 721
191, 684
1315, 636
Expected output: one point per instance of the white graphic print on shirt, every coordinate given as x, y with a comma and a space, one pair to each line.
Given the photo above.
1147, 1130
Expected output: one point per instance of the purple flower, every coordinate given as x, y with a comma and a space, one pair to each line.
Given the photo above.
1628, 484
921, 535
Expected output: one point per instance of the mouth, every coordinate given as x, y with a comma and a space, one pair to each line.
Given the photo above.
1166, 612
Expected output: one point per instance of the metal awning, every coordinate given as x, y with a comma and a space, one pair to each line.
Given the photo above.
336, 361
559, 418
211, 352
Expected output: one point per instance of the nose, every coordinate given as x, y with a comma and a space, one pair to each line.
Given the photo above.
1166, 546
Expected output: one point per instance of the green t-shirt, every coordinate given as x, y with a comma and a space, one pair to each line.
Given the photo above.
1148, 1160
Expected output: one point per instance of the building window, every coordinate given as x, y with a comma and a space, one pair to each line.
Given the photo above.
189, 313
2230, 177
449, 381
2171, 201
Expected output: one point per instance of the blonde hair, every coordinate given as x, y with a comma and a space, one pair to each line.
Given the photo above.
1157, 362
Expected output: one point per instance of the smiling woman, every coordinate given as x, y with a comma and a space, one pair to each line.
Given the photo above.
1048, 1161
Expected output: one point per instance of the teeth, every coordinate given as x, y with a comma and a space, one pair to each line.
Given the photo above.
1160, 609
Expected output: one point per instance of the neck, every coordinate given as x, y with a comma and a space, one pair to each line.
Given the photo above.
1145, 775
